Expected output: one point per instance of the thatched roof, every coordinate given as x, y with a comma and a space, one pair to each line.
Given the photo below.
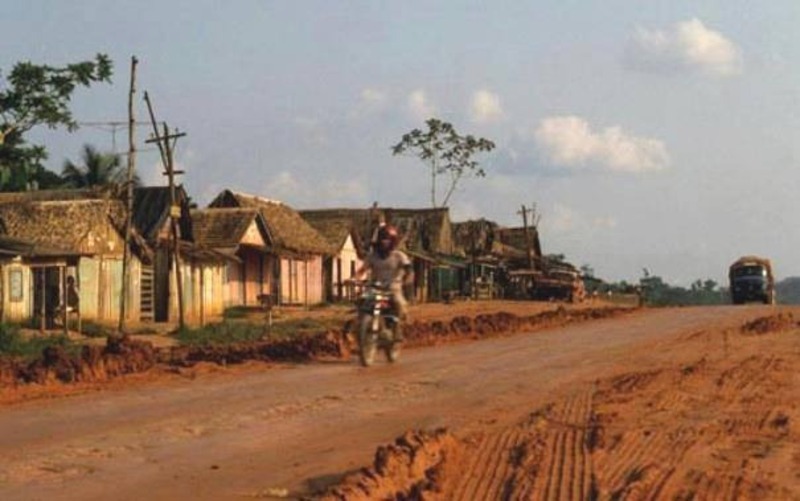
74, 226
225, 227
13, 247
334, 226
426, 230
55, 195
518, 238
289, 232
421, 230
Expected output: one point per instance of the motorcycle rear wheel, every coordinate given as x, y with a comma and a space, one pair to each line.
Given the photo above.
367, 341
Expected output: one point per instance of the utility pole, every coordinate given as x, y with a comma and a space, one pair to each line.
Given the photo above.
126, 257
166, 144
525, 211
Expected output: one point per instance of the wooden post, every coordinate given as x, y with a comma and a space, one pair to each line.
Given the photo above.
43, 311
174, 224
62, 277
524, 211
126, 279
78, 284
166, 148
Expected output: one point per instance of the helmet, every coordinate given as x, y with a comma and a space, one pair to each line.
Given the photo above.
389, 234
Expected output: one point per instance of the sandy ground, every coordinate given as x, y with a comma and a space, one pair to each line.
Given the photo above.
690, 403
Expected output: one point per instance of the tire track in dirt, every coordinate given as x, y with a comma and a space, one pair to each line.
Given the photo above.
486, 475
718, 428
568, 462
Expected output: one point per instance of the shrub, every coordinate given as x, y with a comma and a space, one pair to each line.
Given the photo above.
14, 344
220, 334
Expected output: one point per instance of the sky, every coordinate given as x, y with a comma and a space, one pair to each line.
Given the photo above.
658, 135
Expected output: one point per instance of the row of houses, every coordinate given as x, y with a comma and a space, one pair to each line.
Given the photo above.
240, 250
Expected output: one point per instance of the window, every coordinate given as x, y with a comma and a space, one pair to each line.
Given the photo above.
15, 284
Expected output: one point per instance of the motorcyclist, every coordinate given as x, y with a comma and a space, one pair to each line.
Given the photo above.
391, 267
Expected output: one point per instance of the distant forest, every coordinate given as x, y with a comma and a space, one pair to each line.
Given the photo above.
656, 292
788, 290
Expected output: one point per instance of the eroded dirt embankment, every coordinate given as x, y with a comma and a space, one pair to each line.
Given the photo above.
123, 355
722, 427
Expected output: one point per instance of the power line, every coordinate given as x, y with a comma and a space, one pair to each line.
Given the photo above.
113, 126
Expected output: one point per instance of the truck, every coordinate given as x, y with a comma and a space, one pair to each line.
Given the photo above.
751, 280
553, 284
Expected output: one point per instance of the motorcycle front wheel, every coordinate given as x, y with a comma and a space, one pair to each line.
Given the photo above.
367, 341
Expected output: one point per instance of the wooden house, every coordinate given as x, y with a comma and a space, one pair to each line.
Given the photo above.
202, 271
340, 232
241, 234
299, 248
521, 240
46, 239
425, 235
54, 234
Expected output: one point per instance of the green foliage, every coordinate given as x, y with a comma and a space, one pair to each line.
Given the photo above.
446, 152
92, 329
702, 292
33, 95
232, 331
14, 344
96, 169
302, 326
236, 312
220, 334
787, 291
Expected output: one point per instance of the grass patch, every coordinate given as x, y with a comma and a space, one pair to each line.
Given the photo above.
220, 334
236, 312
92, 329
228, 332
14, 344
301, 326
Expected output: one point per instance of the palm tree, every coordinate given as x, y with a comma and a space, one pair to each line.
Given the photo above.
98, 169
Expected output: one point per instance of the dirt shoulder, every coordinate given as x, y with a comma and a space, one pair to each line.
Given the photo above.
59, 372
714, 420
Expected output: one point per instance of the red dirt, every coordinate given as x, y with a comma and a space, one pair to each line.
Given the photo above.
721, 427
123, 355
705, 407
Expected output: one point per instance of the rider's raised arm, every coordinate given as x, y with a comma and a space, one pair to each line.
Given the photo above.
361, 272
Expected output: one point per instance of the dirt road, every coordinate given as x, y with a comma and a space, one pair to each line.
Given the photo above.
257, 432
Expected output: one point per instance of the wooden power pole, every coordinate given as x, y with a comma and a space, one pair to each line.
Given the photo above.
166, 146
529, 245
126, 257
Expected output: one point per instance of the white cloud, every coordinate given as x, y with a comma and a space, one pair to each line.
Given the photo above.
687, 46
420, 106
485, 107
562, 219
568, 141
373, 96
370, 101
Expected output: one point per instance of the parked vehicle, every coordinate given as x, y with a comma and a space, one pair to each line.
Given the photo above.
556, 284
751, 279
377, 324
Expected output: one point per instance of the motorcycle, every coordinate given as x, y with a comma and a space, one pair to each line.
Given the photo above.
377, 324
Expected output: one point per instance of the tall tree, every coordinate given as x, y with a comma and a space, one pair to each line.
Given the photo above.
445, 151
34, 95
96, 169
